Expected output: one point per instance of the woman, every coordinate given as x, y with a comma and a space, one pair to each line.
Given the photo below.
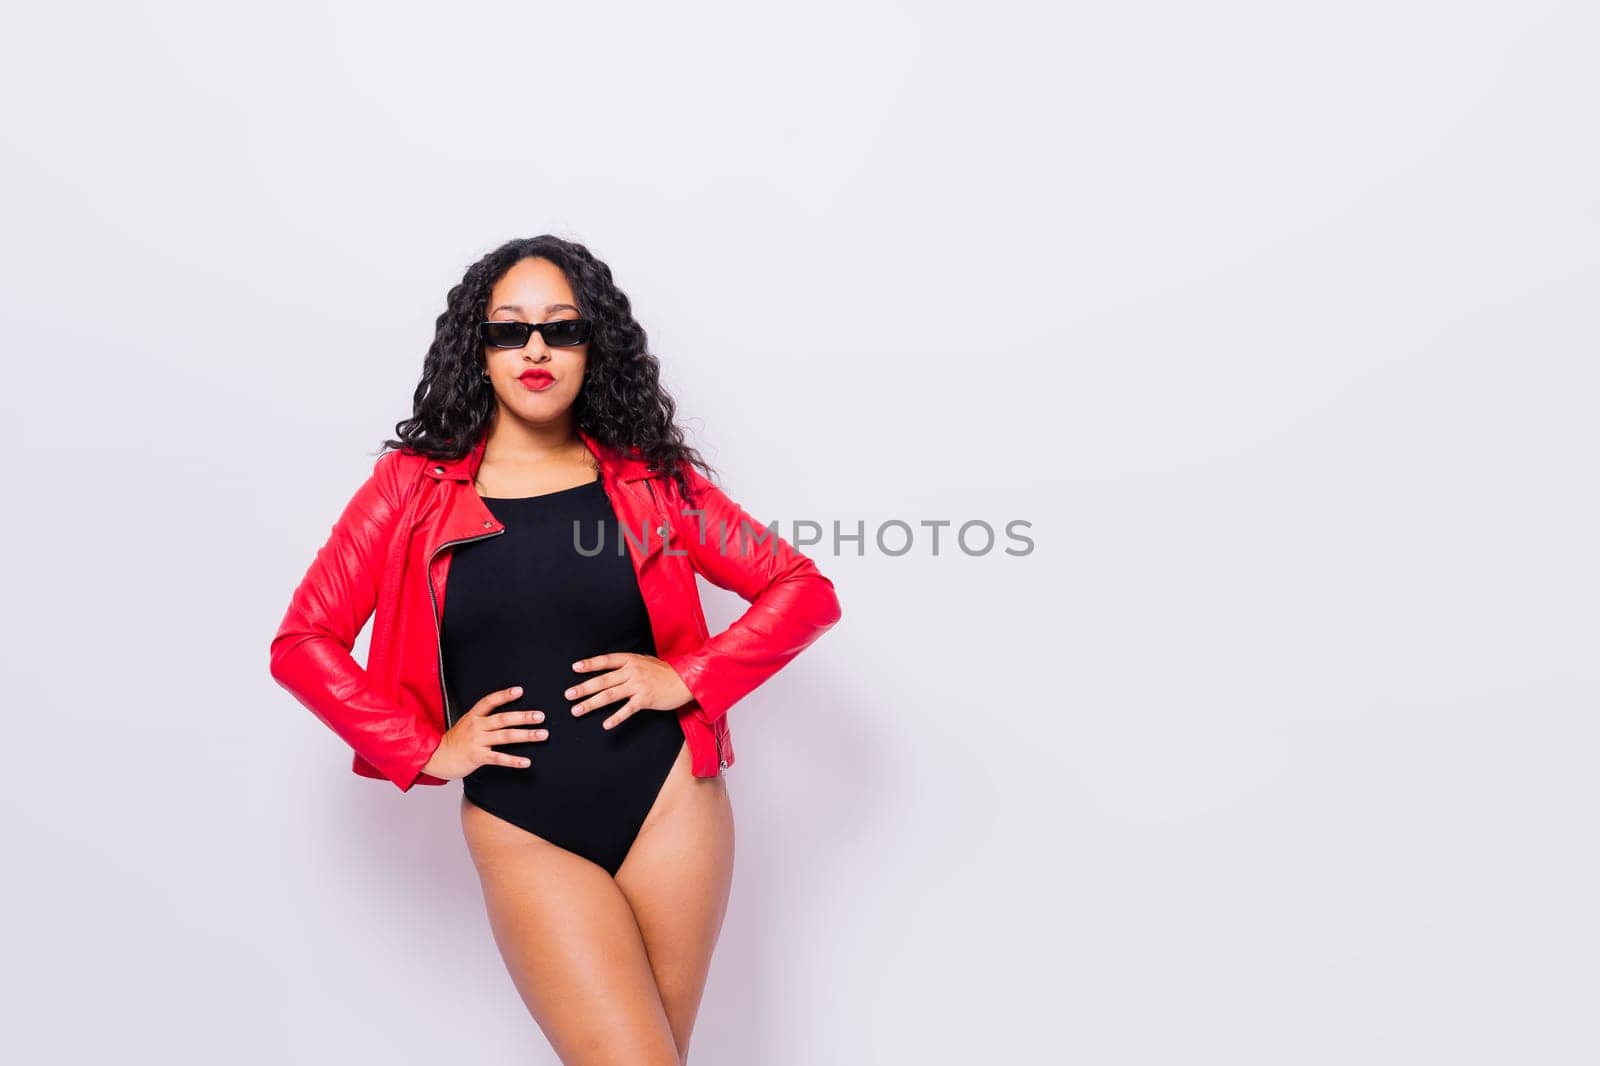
568, 679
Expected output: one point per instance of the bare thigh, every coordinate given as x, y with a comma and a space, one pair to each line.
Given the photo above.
571, 946
677, 878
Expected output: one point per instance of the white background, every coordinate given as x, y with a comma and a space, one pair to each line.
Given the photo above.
1277, 323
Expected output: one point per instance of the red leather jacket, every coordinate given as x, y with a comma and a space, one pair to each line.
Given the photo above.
388, 559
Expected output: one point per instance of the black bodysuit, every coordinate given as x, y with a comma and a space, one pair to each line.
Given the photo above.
522, 607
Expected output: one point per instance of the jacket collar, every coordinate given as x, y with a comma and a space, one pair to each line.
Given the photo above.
614, 466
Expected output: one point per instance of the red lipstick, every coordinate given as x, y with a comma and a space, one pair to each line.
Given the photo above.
536, 380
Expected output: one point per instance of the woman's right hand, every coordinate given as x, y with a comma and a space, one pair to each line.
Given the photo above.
470, 743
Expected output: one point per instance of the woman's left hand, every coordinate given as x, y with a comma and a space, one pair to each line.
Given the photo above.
646, 682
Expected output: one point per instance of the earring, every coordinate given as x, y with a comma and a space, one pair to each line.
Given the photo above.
486, 375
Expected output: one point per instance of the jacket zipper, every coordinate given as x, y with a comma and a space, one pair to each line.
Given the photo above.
722, 763
438, 628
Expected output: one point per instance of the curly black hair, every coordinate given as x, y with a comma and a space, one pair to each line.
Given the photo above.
621, 403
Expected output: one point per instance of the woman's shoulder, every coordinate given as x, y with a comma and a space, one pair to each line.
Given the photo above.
702, 489
397, 471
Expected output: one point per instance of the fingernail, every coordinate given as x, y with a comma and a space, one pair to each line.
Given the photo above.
516, 690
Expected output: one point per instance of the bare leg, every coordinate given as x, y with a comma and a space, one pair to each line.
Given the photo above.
571, 946
677, 878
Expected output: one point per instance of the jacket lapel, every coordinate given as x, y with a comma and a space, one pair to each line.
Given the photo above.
467, 517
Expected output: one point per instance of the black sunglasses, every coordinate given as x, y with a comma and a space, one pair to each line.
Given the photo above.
565, 333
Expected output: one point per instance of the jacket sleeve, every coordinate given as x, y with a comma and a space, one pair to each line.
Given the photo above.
311, 652
791, 602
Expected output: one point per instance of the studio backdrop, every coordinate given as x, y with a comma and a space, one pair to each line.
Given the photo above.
1192, 406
